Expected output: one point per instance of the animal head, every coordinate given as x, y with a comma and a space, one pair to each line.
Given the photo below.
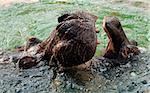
78, 15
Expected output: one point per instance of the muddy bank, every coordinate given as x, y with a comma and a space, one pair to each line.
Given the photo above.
132, 77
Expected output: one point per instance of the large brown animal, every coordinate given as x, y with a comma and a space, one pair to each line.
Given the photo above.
74, 40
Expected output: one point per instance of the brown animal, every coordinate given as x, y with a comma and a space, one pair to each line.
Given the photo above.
118, 46
74, 40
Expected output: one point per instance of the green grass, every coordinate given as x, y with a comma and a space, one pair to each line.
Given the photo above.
20, 21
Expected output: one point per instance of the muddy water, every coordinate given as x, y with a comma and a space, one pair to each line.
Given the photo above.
20, 21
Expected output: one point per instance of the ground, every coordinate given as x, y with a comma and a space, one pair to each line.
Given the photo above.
20, 21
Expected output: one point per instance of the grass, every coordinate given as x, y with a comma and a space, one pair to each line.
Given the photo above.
20, 21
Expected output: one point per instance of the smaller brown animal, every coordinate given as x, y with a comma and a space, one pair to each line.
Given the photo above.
118, 46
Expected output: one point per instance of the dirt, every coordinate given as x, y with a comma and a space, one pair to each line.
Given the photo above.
133, 77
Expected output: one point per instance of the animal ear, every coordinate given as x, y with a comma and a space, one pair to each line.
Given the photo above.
63, 17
